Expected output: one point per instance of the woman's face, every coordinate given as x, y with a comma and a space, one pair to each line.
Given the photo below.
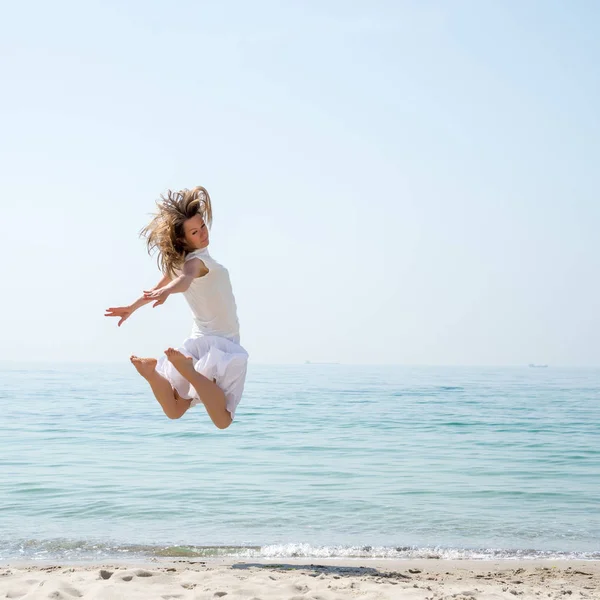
195, 232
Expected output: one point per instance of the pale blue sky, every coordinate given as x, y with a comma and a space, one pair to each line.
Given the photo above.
393, 181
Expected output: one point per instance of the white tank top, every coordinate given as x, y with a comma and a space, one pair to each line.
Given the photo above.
211, 300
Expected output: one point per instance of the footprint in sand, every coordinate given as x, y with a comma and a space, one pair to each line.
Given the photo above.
68, 593
144, 573
188, 586
128, 575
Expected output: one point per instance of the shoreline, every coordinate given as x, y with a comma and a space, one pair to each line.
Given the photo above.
350, 562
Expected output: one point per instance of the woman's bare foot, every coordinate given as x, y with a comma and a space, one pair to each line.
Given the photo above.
183, 363
145, 366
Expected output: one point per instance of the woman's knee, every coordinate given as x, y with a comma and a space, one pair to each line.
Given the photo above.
176, 412
224, 422
173, 416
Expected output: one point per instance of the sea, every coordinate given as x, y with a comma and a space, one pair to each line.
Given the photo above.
322, 461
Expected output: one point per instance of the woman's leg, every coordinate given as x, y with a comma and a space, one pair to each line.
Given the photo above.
173, 405
210, 394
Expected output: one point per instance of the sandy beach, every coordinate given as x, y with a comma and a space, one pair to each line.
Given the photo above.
304, 579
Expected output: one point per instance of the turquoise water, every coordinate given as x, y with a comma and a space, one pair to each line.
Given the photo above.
322, 460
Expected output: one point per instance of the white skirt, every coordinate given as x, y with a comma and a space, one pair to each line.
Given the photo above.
219, 360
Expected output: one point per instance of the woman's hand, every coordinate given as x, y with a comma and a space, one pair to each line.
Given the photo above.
123, 312
157, 296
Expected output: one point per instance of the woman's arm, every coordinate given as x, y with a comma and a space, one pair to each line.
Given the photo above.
124, 312
191, 270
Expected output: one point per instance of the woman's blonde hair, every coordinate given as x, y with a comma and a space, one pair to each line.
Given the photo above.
165, 234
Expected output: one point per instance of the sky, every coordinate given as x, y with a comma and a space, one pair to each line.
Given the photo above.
393, 182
